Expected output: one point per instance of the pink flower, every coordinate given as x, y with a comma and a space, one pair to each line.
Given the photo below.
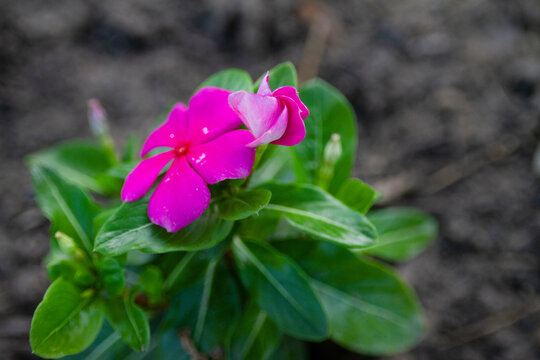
273, 117
205, 149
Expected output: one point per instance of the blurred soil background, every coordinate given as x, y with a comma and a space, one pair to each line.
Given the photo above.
447, 95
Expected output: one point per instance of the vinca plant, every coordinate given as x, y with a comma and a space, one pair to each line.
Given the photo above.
233, 232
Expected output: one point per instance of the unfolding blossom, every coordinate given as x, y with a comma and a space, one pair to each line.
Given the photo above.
205, 148
272, 116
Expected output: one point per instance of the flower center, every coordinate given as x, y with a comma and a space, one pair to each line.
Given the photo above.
181, 149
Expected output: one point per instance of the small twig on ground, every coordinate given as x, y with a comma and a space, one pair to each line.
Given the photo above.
322, 23
405, 182
471, 163
491, 324
189, 346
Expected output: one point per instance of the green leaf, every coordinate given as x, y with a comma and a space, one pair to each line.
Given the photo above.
310, 209
102, 217
65, 322
255, 337
276, 167
357, 195
244, 204
188, 267
107, 346
230, 79
290, 349
151, 281
370, 310
121, 171
67, 206
131, 149
130, 228
82, 163
112, 275
129, 320
258, 227
329, 113
403, 233
169, 347
281, 289
281, 75
208, 309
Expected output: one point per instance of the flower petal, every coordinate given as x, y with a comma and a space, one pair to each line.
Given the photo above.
140, 179
226, 157
276, 131
181, 197
291, 93
170, 133
257, 112
264, 88
296, 130
210, 115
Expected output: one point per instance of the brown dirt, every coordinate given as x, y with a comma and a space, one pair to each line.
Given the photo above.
434, 83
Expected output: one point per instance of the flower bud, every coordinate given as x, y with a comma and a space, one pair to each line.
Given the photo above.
333, 150
332, 153
66, 243
97, 118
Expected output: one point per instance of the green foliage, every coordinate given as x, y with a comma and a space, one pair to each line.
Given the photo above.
244, 204
310, 209
130, 228
230, 79
277, 257
68, 207
66, 321
290, 349
330, 113
276, 164
281, 75
112, 275
129, 320
255, 337
281, 289
82, 163
369, 309
357, 195
151, 281
210, 308
403, 233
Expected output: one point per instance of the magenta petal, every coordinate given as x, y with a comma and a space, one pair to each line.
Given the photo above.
296, 130
140, 179
276, 131
181, 197
226, 157
170, 133
210, 115
291, 93
264, 88
257, 112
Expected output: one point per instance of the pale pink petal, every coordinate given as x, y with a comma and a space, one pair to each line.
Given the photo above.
181, 197
296, 130
210, 115
276, 131
264, 88
170, 133
291, 93
226, 157
140, 179
257, 112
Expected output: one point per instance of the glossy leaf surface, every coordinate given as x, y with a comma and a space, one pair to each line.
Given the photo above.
310, 209
281, 289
